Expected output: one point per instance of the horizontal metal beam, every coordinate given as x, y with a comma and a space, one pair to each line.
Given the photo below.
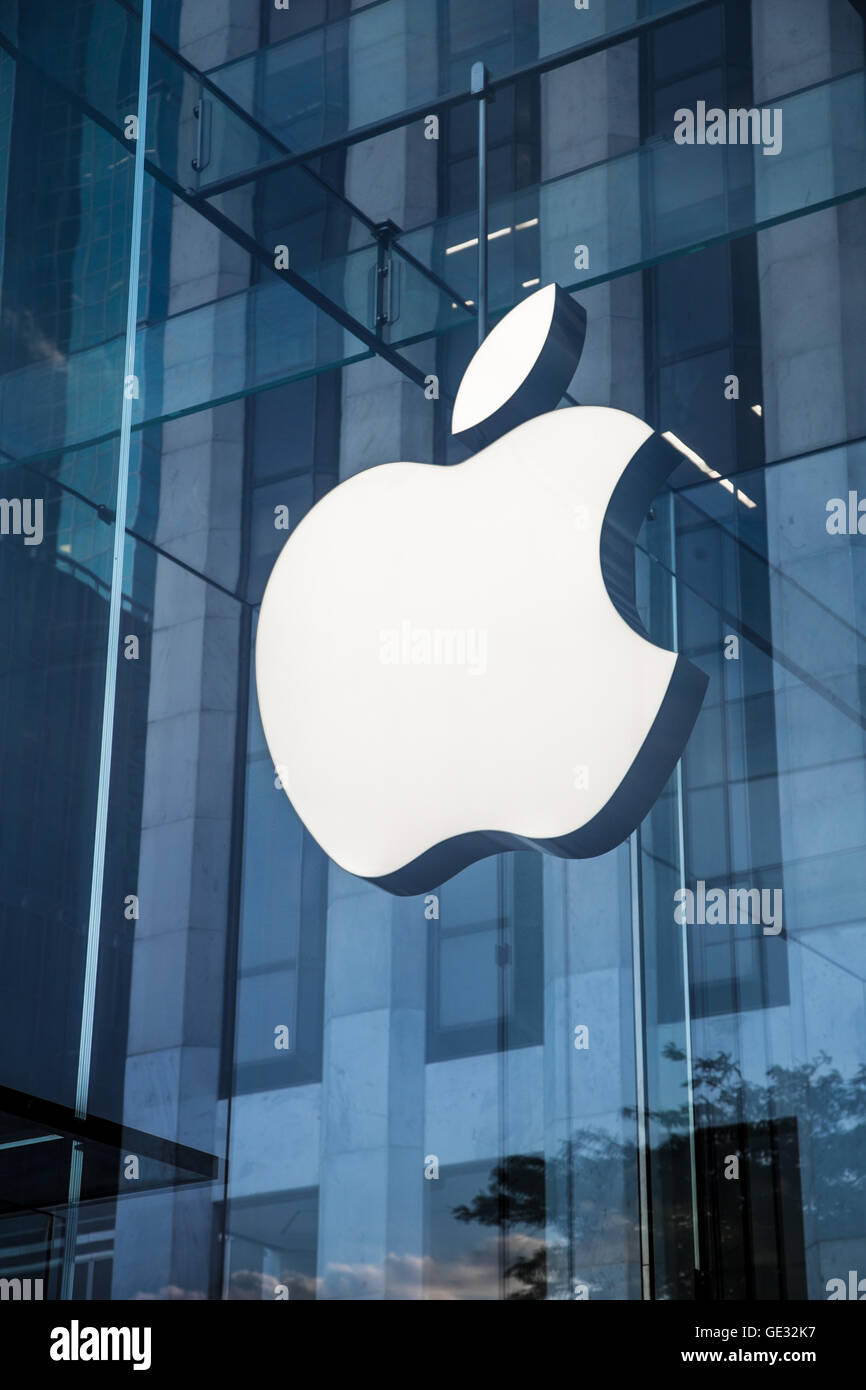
445, 103
62, 1119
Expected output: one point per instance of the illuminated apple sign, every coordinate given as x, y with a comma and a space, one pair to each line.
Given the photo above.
449, 660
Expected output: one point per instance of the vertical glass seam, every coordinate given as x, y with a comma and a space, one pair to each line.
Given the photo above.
640, 1067
85, 1045
113, 646
681, 840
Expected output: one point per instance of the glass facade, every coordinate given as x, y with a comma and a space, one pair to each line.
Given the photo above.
235, 250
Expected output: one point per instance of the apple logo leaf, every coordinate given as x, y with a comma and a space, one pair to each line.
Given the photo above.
524, 365
450, 662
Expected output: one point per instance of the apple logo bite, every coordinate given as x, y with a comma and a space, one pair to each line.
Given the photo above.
449, 661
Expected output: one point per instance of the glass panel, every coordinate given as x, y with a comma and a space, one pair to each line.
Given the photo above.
281, 950
659, 200
774, 1097
170, 874
90, 48
272, 1247
66, 202
178, 371
535, 1081
395, 56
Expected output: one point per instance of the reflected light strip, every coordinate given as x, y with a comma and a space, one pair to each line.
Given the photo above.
465, 245
528, 283
491, 236
705, 468
461, 246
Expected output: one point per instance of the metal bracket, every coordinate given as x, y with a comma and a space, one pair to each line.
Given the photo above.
203, 113
478, 80
478, 88
387, 299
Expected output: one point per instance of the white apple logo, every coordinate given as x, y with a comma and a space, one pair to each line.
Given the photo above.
449, 662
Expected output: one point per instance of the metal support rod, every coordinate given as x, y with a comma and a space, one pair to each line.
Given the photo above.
479, 89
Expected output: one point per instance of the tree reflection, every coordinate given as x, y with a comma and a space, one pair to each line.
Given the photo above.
800, 1137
